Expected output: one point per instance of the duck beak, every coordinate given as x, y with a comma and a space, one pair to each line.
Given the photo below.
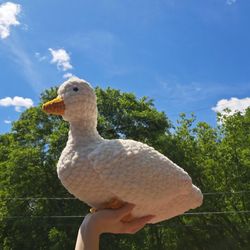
54, 107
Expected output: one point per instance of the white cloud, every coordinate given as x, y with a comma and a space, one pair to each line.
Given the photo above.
176, 91
40, 57
18, 53
7, 121
8, 17
234, 104
18, 109
67, 75
61, 58
18, 102
230, 2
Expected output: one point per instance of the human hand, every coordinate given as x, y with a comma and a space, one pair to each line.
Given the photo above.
110, 221
107, 221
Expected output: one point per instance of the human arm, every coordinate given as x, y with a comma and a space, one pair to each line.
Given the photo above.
107, 221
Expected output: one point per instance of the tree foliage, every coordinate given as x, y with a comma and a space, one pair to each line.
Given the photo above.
218, 159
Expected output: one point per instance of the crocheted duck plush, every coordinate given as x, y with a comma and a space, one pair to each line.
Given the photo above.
107, 173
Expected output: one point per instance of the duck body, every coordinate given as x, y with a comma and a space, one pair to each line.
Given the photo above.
96, 170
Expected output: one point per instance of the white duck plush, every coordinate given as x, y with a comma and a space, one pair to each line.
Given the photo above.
107, 173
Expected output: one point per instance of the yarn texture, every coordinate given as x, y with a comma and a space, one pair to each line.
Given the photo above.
96, 170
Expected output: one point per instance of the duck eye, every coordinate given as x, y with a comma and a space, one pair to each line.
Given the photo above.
75, 89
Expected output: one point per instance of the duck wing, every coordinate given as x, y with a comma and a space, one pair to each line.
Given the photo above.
134, 171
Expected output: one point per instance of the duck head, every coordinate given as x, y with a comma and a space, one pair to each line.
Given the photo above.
76, 101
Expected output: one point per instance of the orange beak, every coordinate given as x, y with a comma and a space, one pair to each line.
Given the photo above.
54, 107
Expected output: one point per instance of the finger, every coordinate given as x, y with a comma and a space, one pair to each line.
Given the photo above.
137, 229
137, 224
123, 211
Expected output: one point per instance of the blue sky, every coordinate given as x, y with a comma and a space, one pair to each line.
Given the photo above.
188, 55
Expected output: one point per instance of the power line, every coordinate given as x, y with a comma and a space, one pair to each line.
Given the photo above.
227, 192
82, 216
73, 198
45, 217
218, 212
38, 198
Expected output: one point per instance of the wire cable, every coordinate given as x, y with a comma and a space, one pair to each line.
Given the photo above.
218, 212
38, 198
227, 192
82, 216
73, 198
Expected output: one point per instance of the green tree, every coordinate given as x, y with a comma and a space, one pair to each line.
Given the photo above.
28, 169
218, 159
28, 157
